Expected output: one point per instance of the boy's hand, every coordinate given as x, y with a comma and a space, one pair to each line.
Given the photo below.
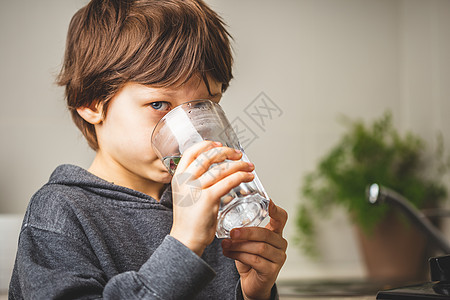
197, 190
259, 254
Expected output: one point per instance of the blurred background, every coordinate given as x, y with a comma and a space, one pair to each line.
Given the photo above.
311, 60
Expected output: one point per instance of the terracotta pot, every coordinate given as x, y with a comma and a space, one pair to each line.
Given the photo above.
395, 251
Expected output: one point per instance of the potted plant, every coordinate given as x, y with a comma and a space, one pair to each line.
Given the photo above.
375, 153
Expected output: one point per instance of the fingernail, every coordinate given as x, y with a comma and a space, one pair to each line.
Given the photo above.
237, 151
251, 165
217, 144
235, 233
271, 206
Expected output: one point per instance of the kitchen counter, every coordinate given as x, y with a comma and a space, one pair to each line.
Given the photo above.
341, 289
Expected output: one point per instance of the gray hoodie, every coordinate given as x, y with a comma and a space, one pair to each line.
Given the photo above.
83, 237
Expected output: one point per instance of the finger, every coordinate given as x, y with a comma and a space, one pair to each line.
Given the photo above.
224, 169
212, 156
256, 262
262, 249
242, 268
258, 234
278, 218
195, 150
222, 187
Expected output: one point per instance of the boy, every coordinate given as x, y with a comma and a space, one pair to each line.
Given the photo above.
114, 231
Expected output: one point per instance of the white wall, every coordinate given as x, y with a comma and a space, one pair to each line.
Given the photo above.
315, 59
36, 131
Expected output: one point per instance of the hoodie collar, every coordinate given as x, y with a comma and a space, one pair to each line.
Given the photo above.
76, 176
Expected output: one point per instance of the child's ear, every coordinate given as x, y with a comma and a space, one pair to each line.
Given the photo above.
93, 115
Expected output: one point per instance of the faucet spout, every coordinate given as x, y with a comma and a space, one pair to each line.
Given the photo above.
377, 194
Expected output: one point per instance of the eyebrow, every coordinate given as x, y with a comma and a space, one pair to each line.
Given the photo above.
170, 93
165, 92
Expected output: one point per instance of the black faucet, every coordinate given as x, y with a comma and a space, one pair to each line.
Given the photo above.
378, 194
439, 288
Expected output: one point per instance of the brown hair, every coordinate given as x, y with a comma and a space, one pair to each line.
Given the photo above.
152, 42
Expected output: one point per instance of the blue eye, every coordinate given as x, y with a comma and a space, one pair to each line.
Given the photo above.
160, 105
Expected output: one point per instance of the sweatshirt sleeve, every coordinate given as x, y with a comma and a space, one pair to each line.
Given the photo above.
52, 265
172, 272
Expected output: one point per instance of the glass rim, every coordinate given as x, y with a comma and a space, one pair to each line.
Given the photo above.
177, 107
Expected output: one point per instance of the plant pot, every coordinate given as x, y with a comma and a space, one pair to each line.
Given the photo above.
396, 251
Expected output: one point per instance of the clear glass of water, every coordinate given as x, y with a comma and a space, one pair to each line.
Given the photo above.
199, 120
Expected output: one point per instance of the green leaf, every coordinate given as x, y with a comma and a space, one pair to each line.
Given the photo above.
366, 154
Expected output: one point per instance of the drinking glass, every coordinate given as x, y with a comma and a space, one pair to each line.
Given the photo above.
199, 120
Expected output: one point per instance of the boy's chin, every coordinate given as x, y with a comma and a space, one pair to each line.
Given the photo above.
165, 177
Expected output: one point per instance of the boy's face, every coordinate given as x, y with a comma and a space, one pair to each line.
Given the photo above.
125, 154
